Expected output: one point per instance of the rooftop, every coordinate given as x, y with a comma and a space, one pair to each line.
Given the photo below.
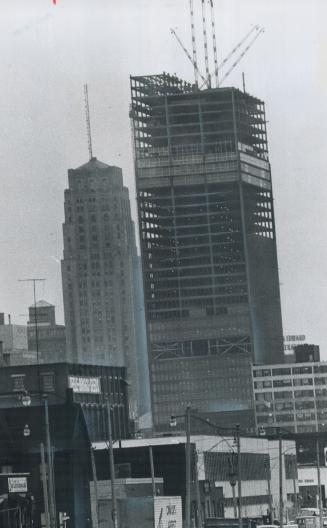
92, 164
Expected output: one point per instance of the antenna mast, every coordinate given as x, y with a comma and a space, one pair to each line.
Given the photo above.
195, 62
88, 122
214, 43
206, 58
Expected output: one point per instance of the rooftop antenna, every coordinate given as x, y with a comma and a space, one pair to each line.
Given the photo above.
195, 62
243, 79
88, 122
205, 40
214, 43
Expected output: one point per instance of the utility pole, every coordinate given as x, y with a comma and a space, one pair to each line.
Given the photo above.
114, 512
281, 500
96, 494
34, 281
52, 496
45, 488
152, 472
188, 468
198, 496
319, 482
239, 475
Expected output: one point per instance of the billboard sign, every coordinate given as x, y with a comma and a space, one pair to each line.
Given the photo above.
168, 512
17, 484
83, 384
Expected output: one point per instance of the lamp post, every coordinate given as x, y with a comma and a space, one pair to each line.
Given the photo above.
114, 512
239, 475
52, 500
49, 493
321, 522
280, 462
173, 422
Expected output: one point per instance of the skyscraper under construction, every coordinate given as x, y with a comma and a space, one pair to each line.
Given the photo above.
208, 243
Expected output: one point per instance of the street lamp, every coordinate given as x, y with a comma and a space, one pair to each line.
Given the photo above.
114, 512
26, 399
26, 430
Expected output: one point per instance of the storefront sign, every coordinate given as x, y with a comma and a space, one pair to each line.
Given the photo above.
17, 484
84, 385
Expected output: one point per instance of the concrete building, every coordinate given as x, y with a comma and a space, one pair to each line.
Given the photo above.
292, 396
208, 243
22, 429
13, 344
213, 458
97, 272
51, 337
90, 384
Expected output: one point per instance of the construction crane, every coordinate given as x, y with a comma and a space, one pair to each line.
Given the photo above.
196, 69
239, 58
195, 61
205, 41
238, 45
214, 43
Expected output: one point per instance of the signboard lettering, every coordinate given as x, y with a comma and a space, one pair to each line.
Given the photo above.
17, 484
84, 384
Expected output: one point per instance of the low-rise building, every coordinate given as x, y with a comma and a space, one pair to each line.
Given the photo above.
91, 385
292, 396
214, 460
13, 343
50, 344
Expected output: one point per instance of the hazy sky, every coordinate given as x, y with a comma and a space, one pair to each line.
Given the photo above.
49, 52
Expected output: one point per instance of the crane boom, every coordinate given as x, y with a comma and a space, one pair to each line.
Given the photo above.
214, 43
238, 45
195, 66
88, 122
205, 41
239, 58
195, 61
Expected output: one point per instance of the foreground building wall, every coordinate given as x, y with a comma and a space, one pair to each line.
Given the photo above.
208, 243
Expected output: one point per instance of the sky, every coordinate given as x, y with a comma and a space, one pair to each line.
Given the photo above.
50, 51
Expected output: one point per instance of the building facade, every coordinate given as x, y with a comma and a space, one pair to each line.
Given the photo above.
14, 344
50, 346
292, 396
213, 460
208, 243
97, 271
91, 386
